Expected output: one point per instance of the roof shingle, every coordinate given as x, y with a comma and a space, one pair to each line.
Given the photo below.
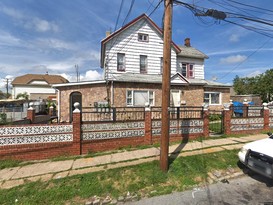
28, 78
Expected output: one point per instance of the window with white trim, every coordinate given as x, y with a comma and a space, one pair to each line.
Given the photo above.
212, 98
139, 97
143, 37
143, 63
121, 62
187, 70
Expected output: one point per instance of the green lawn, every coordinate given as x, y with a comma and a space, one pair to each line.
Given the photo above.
144, 180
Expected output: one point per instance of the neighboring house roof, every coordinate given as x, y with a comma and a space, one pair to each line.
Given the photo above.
28, 78
188, 51
143, 16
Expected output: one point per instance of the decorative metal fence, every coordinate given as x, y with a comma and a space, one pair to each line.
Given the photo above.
247, 111
94, 114
185, 112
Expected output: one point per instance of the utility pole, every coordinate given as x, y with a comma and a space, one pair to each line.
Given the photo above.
7, 87
165, 121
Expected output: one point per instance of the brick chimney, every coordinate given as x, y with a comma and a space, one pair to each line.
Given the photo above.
187, 42
108, 33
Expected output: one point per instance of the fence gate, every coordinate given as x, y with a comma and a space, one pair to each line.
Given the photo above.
216, 122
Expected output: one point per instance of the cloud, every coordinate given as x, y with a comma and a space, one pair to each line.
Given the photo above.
233, 59
41, 25
30, 22
253, 74
234, 38
89, 75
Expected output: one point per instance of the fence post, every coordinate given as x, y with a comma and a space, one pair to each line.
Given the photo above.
227, 119
148, 125
76, 123
206, 120
31, 113
245, 108
178, 113
51, 110
114, 114
266, 117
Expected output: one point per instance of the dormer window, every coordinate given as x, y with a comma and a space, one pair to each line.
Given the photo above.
143, 37
187, 70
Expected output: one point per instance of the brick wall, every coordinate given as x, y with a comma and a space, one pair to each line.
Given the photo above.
192, 95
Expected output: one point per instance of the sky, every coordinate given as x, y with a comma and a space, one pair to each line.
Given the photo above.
53, 36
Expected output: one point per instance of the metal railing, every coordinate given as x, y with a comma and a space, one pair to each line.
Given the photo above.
93, 114
247, 111
184, 112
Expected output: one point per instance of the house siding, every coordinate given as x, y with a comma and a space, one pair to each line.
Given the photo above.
198, 65
127, 42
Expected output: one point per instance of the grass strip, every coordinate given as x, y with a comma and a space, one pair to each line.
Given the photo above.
145, 180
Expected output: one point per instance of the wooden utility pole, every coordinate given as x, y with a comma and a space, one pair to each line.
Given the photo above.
164, 145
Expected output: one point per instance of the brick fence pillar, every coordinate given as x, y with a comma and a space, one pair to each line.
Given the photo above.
148, 126
227, 120
31, 113
206, 121
266, 117
76, 129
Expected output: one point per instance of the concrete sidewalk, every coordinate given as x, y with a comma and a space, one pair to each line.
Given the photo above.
45, 171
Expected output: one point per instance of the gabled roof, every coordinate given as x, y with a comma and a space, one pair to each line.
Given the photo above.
188, 51
179, 79
133, 22
28, 78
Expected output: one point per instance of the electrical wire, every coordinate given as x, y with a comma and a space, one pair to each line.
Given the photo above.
251, 54
129, 12
119, 12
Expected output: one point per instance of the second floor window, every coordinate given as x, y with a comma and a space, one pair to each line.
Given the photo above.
143, 64
120, 62
161, 65
187, 70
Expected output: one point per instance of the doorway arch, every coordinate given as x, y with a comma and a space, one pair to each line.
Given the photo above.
74, 97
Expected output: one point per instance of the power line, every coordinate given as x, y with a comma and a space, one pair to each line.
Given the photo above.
119, 12
259, 48
130, 9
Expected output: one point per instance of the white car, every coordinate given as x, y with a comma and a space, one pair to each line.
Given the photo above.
258, 156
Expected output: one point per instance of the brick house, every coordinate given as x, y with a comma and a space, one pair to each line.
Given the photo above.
132, 61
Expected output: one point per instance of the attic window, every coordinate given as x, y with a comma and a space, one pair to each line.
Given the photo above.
143, 37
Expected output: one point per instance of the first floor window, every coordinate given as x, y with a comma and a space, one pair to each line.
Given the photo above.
139, 97
212, 98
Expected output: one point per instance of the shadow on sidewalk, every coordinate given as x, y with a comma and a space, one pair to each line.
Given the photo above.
177, 151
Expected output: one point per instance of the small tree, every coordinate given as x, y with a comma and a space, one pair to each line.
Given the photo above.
22, 96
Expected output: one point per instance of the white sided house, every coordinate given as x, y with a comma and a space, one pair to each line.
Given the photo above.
132, 62
37, 86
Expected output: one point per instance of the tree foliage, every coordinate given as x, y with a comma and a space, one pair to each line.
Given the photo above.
22, 96
260, 84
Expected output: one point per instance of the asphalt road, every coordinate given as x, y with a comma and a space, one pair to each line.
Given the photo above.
250, 189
